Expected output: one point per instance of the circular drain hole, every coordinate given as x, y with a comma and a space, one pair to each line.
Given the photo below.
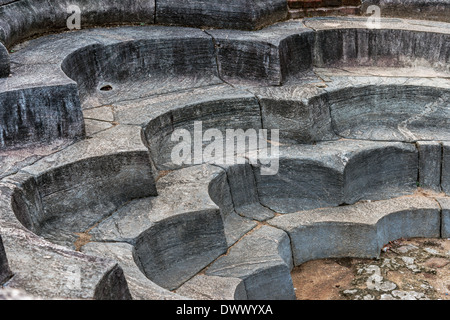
106, 88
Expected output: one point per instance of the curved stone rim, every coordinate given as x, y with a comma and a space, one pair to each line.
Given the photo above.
139, 146
240, 14
293, 37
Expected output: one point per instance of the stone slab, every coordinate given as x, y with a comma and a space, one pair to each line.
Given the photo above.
141, 288
5, 272
244, 193
228, 14
381, 173
445, 180
297, 111
175, 64
329, 23
263, 260
114, 166
186, 129
270, 56
93, 126
175, 234
337, 172
410, 9
40, 115
445, 207
203, 287
47, 270
5, 62
390, 45
180, 192
143, 111
105, 114
26, 18
174, 250
398, 112
101, 12
236, 226
11, 161
26, 202
430, 165
359, 230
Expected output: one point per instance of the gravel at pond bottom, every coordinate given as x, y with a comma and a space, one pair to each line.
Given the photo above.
408, 269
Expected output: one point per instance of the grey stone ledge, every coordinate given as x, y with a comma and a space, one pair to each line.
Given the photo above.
38, 57
183, 203
322, 23
411, 9
359, 230
5, 272
47, 16
204, 200
202, 287
43, 269
335, 173
5, 62
445, 180
445, 207
263, 260
141, 288
114, 166
430, 165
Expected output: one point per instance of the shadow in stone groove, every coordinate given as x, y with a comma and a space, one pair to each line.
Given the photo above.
63, 201
174, 250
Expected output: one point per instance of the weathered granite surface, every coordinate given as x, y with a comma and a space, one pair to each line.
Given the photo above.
25, 18
177, 233
174, 250
263, 260
5, 272
337, 173
203, 287
430, 165
361, 126
411, 9
281, 53
359, 230
70, 191
236, 224
269, 56
141, 288
245, 194
230, 14
298, 112
40, 115
445, 179
5, 63
445, 207
193, 123
47, 270
162, 60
